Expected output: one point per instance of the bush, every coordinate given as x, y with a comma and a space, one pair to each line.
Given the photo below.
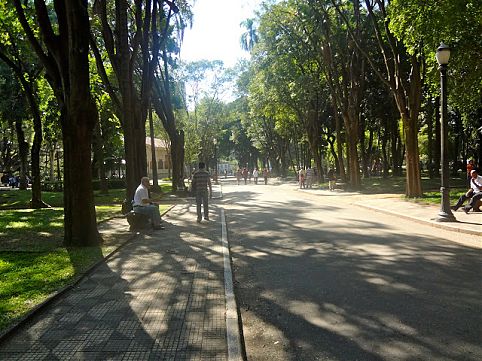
52, 186
58, 186
111, 184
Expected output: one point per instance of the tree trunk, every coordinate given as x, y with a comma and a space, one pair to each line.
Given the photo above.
351, 125
135, 148
79, 211
177, 160
429, 114
36, 201
99, 155
155, 177
339, 144
412, 159
386, 162
79, 116
23, 154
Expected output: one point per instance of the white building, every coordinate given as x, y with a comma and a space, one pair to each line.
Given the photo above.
163, 158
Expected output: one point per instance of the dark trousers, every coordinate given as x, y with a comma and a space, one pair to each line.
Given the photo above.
474, 199
202, 197
461, 201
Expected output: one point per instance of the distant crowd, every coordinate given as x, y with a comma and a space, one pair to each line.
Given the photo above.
251, 175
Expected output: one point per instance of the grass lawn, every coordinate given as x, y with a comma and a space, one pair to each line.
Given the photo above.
33, 261
431, 188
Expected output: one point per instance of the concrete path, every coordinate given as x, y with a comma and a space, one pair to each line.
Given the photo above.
160, 297
394, 204
318, 277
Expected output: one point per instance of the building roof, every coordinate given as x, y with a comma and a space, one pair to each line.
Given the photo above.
158, 143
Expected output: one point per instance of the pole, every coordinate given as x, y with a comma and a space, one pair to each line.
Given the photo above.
155, 178
445, 214
215, 163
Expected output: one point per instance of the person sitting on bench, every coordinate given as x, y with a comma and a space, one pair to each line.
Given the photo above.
476, 185
145, 205
462, 199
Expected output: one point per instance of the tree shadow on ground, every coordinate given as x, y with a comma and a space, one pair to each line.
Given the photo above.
159, 297
353, 289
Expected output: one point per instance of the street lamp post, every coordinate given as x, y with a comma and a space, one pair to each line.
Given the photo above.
445, 214
215, 141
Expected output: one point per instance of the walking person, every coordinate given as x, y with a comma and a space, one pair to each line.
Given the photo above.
309, 177
202, 188
301, 177
255, 175
245, 175
331, 179
265, 175
238, 175
143, 204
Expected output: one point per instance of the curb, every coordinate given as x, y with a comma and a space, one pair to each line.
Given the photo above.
423, 221
9, 331
233, 334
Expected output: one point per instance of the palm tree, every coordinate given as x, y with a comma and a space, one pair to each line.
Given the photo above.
250, 37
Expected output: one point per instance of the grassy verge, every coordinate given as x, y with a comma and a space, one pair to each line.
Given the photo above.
396, 185
17, 199
33, 261
28, 278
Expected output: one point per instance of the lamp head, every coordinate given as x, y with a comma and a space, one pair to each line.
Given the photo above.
443, 54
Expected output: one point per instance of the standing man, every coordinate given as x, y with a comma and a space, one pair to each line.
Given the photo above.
265, 175
255, 175
145, 205
309, 177
201, 181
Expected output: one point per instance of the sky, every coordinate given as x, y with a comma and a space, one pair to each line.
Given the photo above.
216, 30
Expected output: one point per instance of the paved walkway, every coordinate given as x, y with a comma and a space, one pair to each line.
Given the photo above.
470, 224
160, 297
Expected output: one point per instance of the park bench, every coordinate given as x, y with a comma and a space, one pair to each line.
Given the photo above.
340, 185
478, 206
137, 221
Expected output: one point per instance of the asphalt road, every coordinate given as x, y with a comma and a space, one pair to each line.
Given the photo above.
317, 278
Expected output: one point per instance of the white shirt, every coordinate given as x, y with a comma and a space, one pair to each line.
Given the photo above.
478, 182
255, 173
141, 193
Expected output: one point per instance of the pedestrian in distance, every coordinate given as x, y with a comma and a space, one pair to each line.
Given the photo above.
331, 179
143, 204
302, 177
202, 188
470, 167
245, 175
239, 175
265, 175
309, 177
255, 175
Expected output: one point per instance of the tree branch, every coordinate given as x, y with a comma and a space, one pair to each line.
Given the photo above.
103, 74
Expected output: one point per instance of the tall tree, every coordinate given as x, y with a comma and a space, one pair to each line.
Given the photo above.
133, 47
402, 75
63, 50
19, 56
344, 69
250, 37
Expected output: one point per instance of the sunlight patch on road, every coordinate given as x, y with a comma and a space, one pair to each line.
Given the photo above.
332, 318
